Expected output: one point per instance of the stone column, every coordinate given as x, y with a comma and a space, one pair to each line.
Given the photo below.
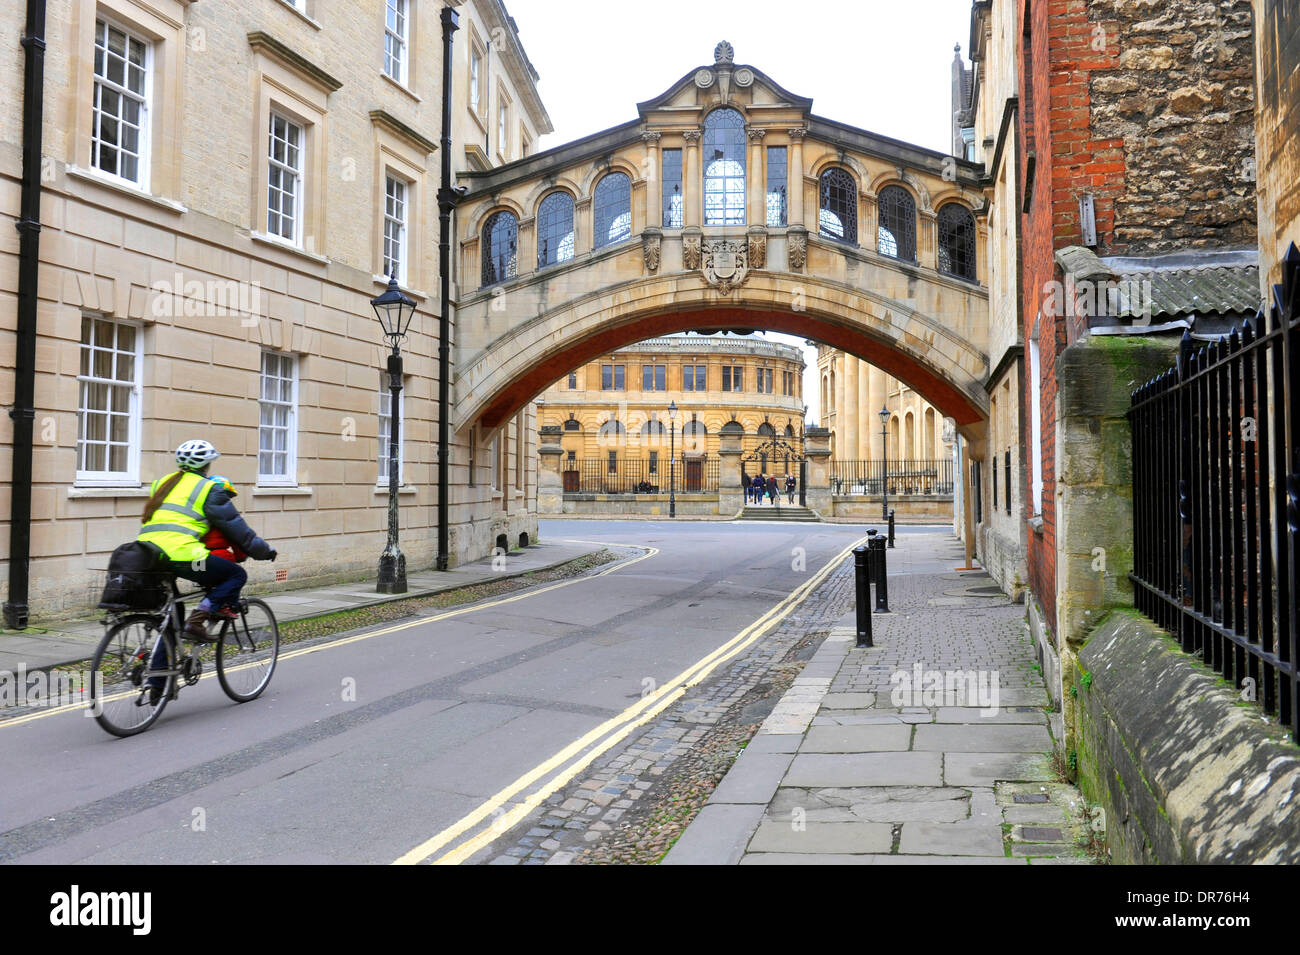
691, 198
848, 420
582, 226
818, 451
837, 367
550, 485
731, 498
794, 199
876, 397
756, 180
526, 260
654, 213
927, 244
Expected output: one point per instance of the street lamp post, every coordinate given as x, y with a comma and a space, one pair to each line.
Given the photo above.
803, 459
884, 453
672, 459
394, 311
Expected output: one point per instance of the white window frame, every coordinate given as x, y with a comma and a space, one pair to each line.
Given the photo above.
400, 223
399, 38
290, 476
475, 79
130, 476
503, 124
146, 116
495, 477
385, 396
297, 177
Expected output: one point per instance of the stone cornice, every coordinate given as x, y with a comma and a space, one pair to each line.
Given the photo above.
268, 45
398, 128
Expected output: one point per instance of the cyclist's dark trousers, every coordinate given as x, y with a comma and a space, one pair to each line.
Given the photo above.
222, 579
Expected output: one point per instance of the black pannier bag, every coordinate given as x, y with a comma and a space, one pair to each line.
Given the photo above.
135, 579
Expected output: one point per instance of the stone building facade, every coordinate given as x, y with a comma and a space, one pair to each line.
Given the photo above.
1277, 130
225, 187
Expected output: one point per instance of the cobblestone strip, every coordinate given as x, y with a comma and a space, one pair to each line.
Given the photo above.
639, 800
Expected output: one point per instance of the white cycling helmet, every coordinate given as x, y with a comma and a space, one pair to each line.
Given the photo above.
193, 455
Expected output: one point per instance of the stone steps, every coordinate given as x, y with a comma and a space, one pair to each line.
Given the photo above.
781, 512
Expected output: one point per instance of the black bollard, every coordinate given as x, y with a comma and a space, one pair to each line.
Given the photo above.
891, 527
882, 586
862, 579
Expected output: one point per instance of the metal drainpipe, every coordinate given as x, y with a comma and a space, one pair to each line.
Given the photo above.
23, 411
447, 198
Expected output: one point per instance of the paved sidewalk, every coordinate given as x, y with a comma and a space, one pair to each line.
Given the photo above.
866, 761
72, 641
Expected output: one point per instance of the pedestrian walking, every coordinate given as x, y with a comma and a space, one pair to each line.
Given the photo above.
772, 492
758, 486
789, 488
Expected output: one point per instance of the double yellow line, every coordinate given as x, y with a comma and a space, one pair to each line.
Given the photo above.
584, 750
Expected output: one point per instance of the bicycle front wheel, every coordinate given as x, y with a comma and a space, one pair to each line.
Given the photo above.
247, 650
132, 675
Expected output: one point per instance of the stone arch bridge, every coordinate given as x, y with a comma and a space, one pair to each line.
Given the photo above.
727, 204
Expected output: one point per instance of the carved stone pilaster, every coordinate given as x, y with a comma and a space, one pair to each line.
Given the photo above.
797, 248
692, 250
691, 135
651, 241
651, 137
797, 133
757, 237
755, 135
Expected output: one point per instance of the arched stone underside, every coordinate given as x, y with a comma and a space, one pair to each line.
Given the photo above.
925, 353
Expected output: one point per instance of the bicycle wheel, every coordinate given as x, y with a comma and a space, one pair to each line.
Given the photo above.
247, 649
121, 672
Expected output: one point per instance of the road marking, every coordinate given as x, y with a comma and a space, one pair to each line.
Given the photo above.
356, 638
608, 734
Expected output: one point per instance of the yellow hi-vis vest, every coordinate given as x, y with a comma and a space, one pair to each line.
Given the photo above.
178, 523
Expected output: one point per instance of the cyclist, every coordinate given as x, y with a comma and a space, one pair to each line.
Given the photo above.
181, 509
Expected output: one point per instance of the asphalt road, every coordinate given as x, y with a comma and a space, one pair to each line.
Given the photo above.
455, 722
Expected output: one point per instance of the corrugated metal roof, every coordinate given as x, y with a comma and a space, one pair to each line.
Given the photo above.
1209, 290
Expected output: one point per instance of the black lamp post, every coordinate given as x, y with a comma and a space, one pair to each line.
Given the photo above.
884, 451
394, 311
672, 459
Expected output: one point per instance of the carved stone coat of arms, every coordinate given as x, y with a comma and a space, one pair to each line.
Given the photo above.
726, 264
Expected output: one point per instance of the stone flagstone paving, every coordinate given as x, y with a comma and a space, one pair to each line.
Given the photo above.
850, 768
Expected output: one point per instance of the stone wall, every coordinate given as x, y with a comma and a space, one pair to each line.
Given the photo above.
1095, 495
1183, 770
1277, 41
1172, 94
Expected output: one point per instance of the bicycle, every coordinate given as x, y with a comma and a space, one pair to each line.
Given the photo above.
128, 693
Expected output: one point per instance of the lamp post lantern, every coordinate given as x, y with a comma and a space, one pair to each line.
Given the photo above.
884, 453
394, 311
672, 459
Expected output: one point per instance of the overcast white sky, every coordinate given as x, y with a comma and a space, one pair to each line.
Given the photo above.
882, 65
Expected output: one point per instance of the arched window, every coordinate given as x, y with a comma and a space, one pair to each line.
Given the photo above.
910, 433
611, 432
837, 216
555, 229
724, 168
500, 247
789, 431
765, 430
957, 241
653, 432
573, 424
694, 437
612, 207
897, 236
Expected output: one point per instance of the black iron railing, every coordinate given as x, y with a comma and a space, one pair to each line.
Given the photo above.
1215, 494
639, 475
904, 477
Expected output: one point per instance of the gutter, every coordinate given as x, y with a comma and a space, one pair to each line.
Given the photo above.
23, 411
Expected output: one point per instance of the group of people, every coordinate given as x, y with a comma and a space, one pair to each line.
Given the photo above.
766, 484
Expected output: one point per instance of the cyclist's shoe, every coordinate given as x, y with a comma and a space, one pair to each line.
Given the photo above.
196, 627
227, 613
155, 694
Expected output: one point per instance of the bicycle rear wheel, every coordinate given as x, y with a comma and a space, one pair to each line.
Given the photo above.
247, 649
121, 697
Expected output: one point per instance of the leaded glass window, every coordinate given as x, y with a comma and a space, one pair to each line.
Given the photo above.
897, 236
957, 241
837, 215
672, 179
555, 229
776, 185
500, 247
612, 208
724, 168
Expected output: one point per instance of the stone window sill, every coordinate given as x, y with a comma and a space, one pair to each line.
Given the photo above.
138, 490
124, 188
402, 489
267, 239
401, 86
288, 491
